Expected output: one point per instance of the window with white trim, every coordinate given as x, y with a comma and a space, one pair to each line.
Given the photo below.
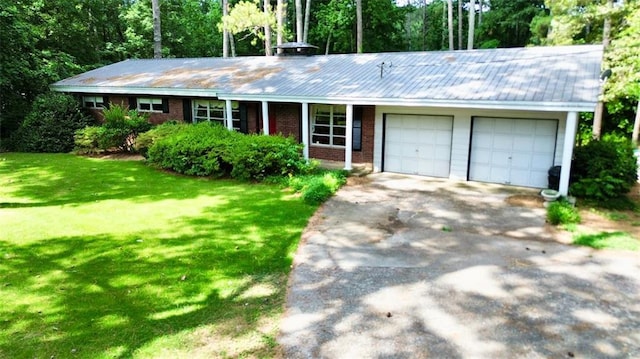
214, 111
95, 102
329, 125
150, 104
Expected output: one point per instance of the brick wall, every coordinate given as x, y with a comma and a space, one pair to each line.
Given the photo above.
254, 121
175, 109
363, 156
287, 118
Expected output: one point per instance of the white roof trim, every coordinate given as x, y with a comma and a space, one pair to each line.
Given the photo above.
160, 91
489, 105
478, 104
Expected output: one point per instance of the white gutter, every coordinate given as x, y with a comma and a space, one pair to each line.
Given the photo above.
160, 91
475, 104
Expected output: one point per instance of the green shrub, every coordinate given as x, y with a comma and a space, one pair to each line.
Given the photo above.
194, 149
562, 212
51, 124
122, 126
318, 187
207, 149
604, 169
87, 140
257, 157
146, 139
119, 131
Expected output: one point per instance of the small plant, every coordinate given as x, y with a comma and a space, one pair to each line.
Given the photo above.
318, 187
562, 212
119, 131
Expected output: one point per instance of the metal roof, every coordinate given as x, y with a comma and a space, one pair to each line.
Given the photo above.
551, 78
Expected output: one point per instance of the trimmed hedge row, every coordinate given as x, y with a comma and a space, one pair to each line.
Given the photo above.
207, 149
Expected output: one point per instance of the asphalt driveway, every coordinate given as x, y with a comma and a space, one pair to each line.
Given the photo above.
411, 267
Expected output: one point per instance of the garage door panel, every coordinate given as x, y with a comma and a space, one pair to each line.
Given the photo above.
423, 142
515, 151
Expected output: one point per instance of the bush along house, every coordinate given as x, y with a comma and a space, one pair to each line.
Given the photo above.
498, 115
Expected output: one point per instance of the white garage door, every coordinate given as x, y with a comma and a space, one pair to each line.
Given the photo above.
418, 144
512, 151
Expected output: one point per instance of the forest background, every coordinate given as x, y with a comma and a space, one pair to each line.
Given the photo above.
43, 41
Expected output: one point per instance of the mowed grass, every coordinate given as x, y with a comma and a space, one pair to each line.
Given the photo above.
113, 259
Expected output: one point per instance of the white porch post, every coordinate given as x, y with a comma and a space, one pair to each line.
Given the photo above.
567, 151
228, 115
265, 117
305, 130
349, 138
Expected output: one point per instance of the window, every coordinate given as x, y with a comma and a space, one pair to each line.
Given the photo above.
329, 125
214, 110
96, 102
150, 105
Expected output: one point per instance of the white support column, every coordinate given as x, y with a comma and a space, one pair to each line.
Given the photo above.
228, 115
567, 151
349, 139
265, 117
305, 130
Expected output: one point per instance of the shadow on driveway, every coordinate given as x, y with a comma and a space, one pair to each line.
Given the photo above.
413, 267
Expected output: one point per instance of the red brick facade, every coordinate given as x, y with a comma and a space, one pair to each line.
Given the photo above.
287, 117
363, 156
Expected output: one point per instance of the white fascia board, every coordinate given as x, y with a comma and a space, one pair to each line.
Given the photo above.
159, 91
472, 104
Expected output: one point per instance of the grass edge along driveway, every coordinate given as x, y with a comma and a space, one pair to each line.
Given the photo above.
113, 259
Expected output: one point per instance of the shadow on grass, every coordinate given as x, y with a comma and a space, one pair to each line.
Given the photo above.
610, 240
103, 296
207, 287
65, 179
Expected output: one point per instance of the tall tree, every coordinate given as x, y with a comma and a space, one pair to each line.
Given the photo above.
299, 26
280, 11
472, 25
606, 40
459, 24
225, 30
450, 23
247, 18
267, 29
359, 26
307, 15
157, 30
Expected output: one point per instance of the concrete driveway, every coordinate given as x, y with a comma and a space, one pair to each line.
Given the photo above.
411, 267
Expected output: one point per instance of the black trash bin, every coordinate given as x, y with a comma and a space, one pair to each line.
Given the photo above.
554, 177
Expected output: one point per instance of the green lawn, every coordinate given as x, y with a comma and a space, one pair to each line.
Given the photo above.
113, 259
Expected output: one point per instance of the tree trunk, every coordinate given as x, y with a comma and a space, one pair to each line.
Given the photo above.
480, 13
232, 45
225, 32
606, 39
450, 23
307, 14
459, 24
157, 32
359, 26
472, 25
606, 28
267, 30
597, 120
326, 49
280, 23
636, 125
299, 30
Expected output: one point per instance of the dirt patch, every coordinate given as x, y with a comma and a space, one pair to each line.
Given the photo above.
358, 181
525, 200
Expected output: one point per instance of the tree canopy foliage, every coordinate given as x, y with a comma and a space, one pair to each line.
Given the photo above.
46, 40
